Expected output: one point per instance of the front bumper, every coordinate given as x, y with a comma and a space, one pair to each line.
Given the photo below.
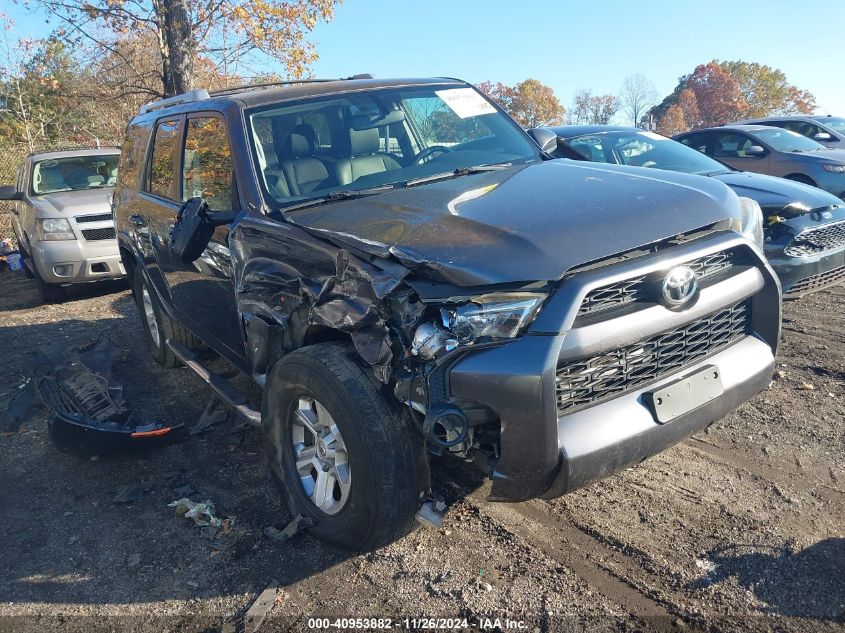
82, 261
802, 275
544, 454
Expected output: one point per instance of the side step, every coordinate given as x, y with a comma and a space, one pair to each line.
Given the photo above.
230, 396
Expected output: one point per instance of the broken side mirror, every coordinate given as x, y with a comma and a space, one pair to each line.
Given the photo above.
195, 225
545, 138
10, 192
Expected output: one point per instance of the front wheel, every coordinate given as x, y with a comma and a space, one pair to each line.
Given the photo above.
341, 454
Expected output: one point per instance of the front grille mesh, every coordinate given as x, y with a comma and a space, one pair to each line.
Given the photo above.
817, 282
99, 234
817, 240
637, 288
100, 217
586, 382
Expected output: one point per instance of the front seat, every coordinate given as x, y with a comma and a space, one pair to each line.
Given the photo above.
365, 157
303, 171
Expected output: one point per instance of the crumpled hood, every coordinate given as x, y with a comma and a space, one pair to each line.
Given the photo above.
779, 196
69, 203
524, 224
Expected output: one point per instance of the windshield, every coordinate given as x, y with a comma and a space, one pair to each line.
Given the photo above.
74, 173
309, 149
644, 149
786, 141
835, 123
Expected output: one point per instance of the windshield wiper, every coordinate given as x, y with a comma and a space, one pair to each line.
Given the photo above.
460, 171
334, 196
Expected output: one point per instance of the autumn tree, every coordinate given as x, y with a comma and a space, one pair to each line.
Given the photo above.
766, 91
593, 109
498, 92
530, 102
225, 32
688, 105
673, 122
637, 95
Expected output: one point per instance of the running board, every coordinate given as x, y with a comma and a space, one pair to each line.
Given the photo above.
230, 396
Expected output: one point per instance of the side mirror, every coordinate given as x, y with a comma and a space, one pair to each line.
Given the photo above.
545, 138
755, 151
194, 227
10, 192
822, 136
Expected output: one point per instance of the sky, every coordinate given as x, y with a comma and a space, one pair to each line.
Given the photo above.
590, 44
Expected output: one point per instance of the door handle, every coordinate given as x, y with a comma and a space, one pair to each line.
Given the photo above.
137, 220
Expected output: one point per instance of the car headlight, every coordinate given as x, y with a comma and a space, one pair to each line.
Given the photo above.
750, 223
54, 229
834, 169
490, 317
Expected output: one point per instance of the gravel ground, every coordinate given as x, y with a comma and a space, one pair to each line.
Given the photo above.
739, 528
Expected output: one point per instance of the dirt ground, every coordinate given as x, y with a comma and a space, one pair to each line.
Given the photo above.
741, 528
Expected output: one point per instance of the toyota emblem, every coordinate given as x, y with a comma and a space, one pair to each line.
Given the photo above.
679, 286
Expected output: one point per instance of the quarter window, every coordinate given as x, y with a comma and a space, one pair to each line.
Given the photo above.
161, 178
207, 166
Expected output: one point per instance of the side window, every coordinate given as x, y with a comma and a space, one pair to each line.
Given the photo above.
161, 179
132, 155
589, 147
207, 170
730, 145
802, 127
696, 141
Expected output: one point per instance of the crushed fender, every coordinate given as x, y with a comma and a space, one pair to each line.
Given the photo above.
87, 403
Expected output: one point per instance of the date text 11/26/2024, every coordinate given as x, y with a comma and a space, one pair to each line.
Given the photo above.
418, 624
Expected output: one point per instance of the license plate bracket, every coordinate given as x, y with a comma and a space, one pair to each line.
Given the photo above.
686, 393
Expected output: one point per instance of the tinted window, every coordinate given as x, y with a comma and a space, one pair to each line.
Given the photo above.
132, 154
835, 123
74, 173
696, 141
802, 127
731, 145
161, 179
207, 165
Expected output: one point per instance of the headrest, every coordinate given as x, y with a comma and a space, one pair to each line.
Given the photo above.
302, 141
364, 141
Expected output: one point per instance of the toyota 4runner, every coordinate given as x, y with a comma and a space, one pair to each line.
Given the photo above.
405, 271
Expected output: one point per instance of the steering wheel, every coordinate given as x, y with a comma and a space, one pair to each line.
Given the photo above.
428, 152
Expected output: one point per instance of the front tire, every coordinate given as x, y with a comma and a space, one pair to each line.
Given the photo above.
50, 293
342, 455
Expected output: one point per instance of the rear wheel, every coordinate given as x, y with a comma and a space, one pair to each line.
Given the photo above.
341, 454
157, 326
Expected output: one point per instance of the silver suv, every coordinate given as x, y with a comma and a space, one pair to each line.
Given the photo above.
62, 218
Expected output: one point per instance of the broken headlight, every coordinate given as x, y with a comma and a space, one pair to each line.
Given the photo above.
750, 223
490, 317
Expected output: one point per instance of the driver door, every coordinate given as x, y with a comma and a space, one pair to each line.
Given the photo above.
203, 291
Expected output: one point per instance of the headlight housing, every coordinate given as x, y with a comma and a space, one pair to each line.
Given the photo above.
834, 169
491, 317
750, 223
52, 229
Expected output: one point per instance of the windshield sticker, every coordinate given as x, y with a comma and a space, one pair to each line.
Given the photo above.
466, 102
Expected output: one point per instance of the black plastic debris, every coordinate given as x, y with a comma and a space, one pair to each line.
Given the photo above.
19, 407
86, 402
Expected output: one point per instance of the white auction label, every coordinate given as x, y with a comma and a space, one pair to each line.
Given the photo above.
466, 102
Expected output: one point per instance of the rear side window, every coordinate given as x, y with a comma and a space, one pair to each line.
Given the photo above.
161, 179
696, 141
207, 166
132, 154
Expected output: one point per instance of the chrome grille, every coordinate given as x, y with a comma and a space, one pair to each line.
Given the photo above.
582, 383
817, 282
637, 288
817, 240
100, 217
99, 234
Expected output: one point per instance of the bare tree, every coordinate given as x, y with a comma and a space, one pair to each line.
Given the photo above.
637, 96
593, 109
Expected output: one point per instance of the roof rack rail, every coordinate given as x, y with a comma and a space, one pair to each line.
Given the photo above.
188, 97
291, 82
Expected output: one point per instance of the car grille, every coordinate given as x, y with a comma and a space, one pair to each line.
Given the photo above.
638, 288
100, 217
817, 282
582, 383
99, 234
817, 240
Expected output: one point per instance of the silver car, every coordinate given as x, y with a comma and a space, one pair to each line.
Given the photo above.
827, 130
62, 218
773, 151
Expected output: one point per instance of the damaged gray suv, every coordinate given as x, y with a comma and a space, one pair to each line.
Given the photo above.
404, 271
